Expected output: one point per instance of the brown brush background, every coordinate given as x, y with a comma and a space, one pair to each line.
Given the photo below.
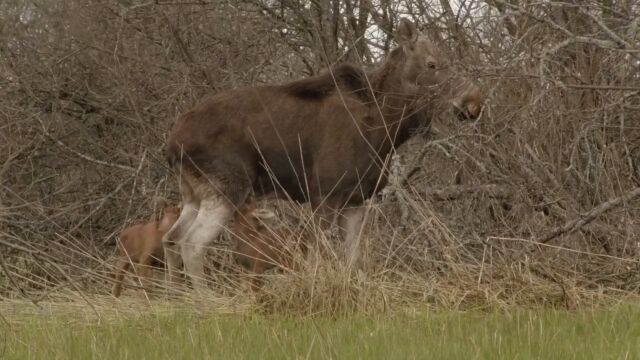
89, 89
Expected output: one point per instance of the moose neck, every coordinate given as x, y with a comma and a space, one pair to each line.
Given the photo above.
397, 101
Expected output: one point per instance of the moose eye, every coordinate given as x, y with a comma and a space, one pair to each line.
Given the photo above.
431, 65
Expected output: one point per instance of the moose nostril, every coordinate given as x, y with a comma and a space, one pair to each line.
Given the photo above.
474, 109
463, 115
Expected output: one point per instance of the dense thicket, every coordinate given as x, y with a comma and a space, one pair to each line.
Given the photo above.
88, 90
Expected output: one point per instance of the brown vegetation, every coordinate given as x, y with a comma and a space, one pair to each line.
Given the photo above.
88, 91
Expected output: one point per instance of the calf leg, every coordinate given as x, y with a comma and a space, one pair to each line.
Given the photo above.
121, 269
145, 272
259, 267
213, 215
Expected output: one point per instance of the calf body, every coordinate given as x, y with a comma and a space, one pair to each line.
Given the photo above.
142, 245
259, 247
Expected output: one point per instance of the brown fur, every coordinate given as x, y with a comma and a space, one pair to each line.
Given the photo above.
240, 137
259, 247
347, 77
142, 245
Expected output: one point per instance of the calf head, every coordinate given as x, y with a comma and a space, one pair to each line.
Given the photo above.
250, 219
170, 215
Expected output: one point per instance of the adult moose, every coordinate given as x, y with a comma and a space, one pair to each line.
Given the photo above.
324, 140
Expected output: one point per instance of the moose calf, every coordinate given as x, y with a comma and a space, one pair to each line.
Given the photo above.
259, 247
142, 245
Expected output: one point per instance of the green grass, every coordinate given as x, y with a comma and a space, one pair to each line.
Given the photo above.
523, 334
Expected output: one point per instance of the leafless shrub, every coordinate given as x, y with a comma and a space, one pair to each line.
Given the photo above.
89, 89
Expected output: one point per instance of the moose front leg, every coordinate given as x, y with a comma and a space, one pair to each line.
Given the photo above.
350, 223
327, 211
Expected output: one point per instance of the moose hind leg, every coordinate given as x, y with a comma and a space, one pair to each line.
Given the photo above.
175, 236
213, 215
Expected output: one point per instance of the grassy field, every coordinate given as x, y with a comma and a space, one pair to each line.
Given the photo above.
613, 333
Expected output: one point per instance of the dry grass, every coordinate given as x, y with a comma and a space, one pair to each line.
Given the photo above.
85, 106
399, 271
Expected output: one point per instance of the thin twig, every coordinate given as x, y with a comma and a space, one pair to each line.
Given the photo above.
576, 224
79, 154
5, 320
188, 57
457, 191
108, 196
533, 242
75, 286
13, 282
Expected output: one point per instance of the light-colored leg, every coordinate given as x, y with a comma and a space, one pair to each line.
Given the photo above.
350, 223
175, 236
213, 215
326, 215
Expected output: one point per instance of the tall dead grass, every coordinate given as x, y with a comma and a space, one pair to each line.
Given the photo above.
86, 101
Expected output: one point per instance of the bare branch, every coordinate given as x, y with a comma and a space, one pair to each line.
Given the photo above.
591, 215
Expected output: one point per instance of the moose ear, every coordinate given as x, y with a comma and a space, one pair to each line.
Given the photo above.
263, 214
406, 32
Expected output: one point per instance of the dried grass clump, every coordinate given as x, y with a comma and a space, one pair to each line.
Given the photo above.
536, 203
